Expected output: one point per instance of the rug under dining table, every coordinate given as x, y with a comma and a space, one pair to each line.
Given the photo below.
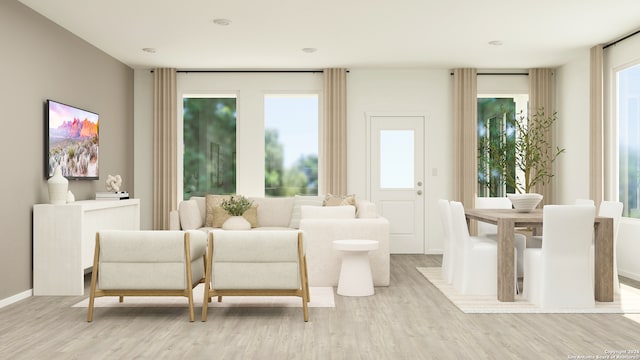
626, 302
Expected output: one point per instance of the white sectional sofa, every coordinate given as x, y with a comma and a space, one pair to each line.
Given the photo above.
320, 225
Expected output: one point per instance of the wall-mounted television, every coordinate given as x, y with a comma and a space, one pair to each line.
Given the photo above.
71, 141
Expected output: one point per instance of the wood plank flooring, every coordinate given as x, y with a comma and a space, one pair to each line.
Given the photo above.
410, 319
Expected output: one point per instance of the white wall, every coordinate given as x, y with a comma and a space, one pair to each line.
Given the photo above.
428, 91
572, 99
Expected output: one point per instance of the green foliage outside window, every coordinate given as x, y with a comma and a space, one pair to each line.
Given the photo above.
209, 146
299, 179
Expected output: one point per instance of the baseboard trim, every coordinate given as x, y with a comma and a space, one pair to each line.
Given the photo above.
629, 275
15, 298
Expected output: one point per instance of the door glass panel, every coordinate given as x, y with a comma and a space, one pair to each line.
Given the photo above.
396, 159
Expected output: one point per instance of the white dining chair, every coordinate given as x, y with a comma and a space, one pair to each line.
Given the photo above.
557, 275
613, 209
536, 241
476, 258
490, 230
447, 241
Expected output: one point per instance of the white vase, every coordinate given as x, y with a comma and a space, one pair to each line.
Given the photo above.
236, 223
58, 186
525, 202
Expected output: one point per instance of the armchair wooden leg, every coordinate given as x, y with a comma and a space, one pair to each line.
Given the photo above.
94, 279
219, 298
121, 299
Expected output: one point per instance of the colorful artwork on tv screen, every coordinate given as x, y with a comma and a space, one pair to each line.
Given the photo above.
73, 141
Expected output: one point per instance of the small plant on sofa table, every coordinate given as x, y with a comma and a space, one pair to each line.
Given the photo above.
236, 205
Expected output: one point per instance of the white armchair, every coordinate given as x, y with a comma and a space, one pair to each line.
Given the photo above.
145, 263
258, 262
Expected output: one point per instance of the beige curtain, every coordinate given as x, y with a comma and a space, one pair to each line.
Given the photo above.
596, 123
541, 95
465, 117
165, 167
334, 149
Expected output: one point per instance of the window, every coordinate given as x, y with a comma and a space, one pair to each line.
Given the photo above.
628, 116
496, 117
209, 161
291, 144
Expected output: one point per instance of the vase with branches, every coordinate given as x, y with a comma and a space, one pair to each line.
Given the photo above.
527, 159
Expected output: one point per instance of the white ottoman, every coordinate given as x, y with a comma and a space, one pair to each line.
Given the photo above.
355, 271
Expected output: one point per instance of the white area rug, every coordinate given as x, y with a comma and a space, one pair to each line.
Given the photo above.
320, 297
627, 302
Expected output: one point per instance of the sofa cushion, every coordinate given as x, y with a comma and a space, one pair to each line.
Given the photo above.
190, 218
273, 211
339, 200
298, 202
328, 212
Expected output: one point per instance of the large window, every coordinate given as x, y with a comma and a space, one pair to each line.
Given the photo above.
291, 144
628, 111
209, 161
496, 118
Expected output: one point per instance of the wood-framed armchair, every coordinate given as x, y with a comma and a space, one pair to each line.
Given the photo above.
147, 263
256, 263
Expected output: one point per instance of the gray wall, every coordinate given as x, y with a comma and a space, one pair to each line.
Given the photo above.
40, 60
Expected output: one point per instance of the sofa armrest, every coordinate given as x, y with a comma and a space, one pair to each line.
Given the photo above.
323, 262
174, 220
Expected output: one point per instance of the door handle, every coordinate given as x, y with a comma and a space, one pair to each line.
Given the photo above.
419, 192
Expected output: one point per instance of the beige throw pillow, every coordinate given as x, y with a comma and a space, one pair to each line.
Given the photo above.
214, 210
337, 200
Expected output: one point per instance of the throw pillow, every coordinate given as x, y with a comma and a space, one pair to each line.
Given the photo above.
336, 200
213, 203
190, 218
298, 202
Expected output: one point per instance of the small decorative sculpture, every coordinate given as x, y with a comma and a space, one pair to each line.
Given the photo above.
113, 183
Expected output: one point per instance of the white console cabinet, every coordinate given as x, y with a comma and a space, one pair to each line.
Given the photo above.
64, 240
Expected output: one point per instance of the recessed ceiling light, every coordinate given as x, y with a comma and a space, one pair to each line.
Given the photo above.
222, 22
495, 43
309, 50
149, 50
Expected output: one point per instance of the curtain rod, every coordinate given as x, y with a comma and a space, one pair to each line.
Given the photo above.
621, 39
478, 74
248, 71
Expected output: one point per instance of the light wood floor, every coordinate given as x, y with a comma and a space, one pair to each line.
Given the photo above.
410, 319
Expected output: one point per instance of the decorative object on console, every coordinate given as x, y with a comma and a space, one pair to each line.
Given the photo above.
114, 183
120, 195
236, 206
58, 186
70, 197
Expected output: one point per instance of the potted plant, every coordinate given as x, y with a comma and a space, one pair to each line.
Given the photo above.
236, 206
526, 159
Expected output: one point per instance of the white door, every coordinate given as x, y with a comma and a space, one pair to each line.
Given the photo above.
396, 177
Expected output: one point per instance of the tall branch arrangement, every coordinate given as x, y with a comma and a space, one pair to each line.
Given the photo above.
534, 155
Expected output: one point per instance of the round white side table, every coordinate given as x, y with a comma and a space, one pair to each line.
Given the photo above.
355, 271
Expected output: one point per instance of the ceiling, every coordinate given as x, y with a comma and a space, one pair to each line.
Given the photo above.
270, 34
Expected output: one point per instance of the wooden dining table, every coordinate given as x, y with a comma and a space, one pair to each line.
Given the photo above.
507, 220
